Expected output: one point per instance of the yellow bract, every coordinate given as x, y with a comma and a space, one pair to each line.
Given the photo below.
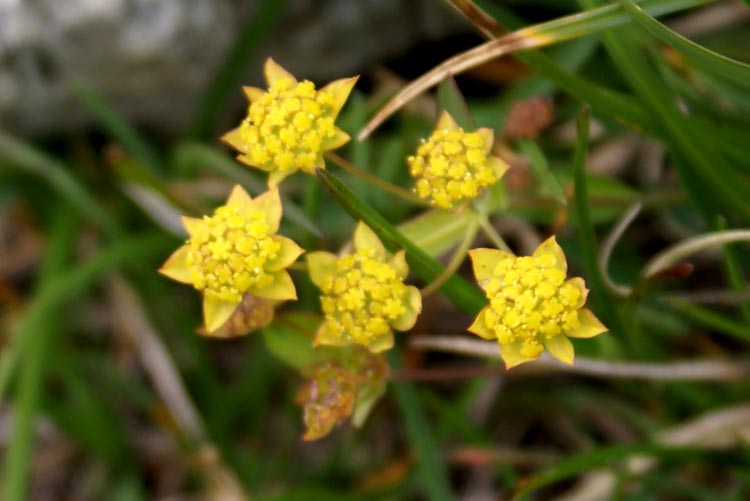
364, 296
532, 305
454, 166
233, 252
289, 127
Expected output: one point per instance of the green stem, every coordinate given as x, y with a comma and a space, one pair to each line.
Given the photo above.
456, 259
375, 180
491, 233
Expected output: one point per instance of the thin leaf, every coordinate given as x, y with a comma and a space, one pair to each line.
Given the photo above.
118, 127
704, 58
451, 100
262, 21
190, 156
467, 297
430, 463
540, 35
541, 169
27, 159
589, 246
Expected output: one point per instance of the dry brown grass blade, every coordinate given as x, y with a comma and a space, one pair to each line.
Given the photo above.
158, 364
691, 370
527, 38
477, 17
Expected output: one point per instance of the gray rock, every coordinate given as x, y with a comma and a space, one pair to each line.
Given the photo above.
153, 59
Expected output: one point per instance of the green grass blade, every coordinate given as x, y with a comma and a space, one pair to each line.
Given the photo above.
705, 170
190, 156
712, 320
451, 100
467, 297
604, 456
704, 58
118, 127
589, 246
228, 77
20, 156
431, 466
542, 171
34, 328
34, 347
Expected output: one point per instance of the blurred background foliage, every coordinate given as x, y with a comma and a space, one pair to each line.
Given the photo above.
107, 392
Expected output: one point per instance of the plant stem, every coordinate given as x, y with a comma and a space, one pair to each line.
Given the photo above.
375, 181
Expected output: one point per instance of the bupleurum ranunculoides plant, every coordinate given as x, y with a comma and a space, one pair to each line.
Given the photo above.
290, 126
364, 296
233, 252
532, 305
453, 166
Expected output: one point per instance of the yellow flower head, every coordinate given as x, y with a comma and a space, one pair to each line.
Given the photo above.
454, 166
289, 127
532, 305
233, 252
364, 295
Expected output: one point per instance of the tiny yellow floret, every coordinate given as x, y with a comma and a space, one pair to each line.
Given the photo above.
531, 304
233, 252
454, 166
290, 126
364, 296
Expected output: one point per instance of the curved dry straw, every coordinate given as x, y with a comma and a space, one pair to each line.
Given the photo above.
689, 370
540, 35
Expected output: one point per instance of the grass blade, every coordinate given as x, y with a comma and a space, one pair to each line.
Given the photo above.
227, 79
536, 36
24, 158
589, 247
704, 58
34, 327
429, 458
118, 127
465, 296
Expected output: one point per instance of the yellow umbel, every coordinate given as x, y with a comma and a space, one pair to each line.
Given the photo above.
530, 301
229, 251
288, 126
362, 298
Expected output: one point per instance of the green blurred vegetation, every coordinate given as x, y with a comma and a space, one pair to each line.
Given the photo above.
665, 124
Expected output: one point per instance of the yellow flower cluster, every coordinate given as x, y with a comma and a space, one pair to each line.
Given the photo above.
289, 127
532, 305
453, 166
228, 253
233, 252
364, 296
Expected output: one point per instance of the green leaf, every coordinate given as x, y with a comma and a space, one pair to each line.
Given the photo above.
702, 57
290, 339
465, 296
541, 169
430, 463
18, 155
435, 231
451, 100
118, 127
599, 458
259, 24
34, 329
191, 156
589, 246
706, 172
